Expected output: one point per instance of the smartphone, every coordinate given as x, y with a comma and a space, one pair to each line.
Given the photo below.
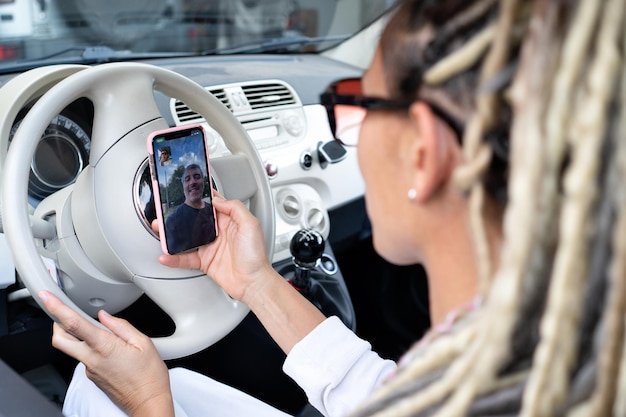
181, 186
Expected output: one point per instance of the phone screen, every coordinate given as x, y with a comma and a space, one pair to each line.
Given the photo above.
181, 173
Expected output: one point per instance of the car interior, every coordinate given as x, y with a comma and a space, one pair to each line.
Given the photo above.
81, 90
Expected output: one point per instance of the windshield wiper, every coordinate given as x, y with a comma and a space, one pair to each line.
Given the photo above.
85, 55
274, 44
101, 54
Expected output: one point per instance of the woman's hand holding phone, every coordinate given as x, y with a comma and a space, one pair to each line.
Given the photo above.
237, 260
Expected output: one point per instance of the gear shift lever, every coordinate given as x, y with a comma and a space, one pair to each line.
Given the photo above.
325, 291
307, 248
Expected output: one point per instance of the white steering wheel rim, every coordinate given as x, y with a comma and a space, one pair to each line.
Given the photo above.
214, 314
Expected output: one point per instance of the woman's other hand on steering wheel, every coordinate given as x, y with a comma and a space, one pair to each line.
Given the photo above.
120, 361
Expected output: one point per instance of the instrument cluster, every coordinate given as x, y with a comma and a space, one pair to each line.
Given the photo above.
63, 151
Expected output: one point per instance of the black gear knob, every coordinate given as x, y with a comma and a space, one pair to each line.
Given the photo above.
307, 247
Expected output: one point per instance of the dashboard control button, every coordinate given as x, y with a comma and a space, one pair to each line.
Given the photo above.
293, 125
306, 160
291, 206
271, 169
315, 219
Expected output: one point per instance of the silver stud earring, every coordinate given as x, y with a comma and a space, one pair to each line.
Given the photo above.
412, 194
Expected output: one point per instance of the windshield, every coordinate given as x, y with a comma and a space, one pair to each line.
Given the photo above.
98, 31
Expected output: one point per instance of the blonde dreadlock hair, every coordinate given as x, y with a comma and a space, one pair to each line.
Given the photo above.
538, 89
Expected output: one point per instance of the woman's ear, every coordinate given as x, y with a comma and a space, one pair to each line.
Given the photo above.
431, 153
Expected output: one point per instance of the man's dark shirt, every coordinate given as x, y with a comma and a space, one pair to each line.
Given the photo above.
188, 227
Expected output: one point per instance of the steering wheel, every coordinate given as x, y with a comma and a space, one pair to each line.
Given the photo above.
104, 251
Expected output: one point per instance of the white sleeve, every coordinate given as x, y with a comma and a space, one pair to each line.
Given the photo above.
335, 368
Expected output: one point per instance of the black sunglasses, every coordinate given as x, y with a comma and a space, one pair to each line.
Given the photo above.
346, 106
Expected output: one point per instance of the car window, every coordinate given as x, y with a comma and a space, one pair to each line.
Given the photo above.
96, 31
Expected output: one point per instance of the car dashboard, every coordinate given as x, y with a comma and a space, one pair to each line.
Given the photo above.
275, 98
279, 108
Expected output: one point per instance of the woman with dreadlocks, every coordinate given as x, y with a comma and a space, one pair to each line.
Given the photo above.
549, 337
528, 303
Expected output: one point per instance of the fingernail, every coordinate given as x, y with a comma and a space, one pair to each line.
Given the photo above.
43, 295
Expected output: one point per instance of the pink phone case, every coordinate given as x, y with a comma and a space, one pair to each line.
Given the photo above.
152, 160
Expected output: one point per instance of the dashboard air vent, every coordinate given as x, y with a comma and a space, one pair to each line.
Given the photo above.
268, 95
220, 94
242, 99
185, 114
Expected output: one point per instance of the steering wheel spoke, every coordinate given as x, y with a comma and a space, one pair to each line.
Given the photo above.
204, 310
235, 175
113, 121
